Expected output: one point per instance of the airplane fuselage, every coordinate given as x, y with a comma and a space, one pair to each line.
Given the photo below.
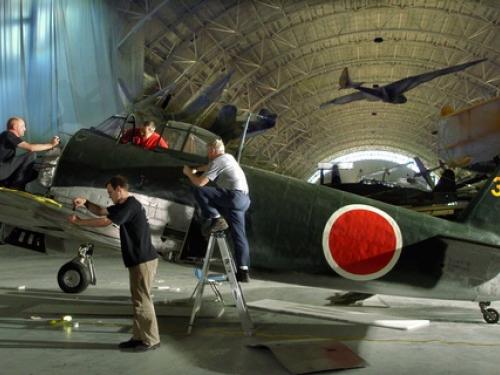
313, 235
288, 220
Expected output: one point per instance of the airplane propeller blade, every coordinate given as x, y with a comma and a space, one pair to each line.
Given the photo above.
205, 98
124, 93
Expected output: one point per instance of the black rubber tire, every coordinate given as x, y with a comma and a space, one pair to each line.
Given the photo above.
73, 277
491, 316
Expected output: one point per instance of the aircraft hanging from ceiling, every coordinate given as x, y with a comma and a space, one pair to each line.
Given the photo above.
392, 92
298, 232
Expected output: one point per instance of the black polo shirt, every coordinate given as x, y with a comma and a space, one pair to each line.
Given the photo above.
135, 235
8, 145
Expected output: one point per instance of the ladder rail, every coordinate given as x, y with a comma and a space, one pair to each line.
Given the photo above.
201, 283
236, 291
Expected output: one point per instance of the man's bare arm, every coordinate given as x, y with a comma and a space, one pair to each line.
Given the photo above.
202, 168
194, 178
96, 209
92, 207
95, 222
34, 147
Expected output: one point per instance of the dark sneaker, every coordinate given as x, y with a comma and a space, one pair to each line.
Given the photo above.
132, 343
218, 225
144, 348
243, 276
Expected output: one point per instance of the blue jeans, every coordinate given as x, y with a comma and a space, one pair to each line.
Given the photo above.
232, 204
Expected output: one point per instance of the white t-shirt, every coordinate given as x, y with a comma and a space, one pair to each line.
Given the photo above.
225, 171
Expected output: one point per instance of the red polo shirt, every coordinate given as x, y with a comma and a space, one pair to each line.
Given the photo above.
137, 139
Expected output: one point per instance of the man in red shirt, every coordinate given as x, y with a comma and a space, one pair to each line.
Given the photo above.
145, 137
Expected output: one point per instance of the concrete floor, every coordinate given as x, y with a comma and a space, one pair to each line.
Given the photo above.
456, 342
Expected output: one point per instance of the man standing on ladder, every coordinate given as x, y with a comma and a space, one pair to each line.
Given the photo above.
230, 197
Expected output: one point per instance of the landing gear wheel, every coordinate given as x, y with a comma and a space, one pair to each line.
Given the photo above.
491, 316
73, 277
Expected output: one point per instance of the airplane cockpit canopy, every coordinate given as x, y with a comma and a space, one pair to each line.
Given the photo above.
186, 138
180, 136
114, 125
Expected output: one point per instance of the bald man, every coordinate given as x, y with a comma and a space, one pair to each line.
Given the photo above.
17, 171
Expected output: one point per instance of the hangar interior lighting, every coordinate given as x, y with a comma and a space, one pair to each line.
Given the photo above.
358, 156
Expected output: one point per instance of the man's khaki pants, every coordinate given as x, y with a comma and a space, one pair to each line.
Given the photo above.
145, 326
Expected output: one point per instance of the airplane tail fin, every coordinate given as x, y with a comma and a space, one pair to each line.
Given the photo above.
225, 122
482, 212
345, 81
228, 127
424, 172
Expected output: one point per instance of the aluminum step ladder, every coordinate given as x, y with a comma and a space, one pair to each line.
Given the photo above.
229, 266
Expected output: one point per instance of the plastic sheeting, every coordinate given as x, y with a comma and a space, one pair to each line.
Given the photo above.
59, 65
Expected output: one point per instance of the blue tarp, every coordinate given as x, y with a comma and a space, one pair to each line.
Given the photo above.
59, 64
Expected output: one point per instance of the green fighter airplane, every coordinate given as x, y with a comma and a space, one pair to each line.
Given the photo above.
298, 232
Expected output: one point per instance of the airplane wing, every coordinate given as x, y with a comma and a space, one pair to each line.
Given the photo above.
337, 314
44, 215
409, 83
344, 99
372, 94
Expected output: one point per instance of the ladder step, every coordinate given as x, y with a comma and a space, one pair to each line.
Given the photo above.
215, 277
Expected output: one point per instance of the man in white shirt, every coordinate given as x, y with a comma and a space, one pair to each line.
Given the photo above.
230, 197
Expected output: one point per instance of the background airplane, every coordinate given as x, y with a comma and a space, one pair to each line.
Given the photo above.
470, 137
228, 127
298, 232
392, 92
416, 191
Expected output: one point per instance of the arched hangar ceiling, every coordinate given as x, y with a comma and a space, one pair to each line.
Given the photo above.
288, 55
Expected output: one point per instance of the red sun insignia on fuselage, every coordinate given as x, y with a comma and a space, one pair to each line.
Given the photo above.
361, 242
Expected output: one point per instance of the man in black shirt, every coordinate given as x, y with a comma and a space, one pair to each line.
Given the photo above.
17, 171
138, 253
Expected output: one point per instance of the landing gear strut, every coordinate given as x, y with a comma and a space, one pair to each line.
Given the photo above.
490, 315
76, 275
